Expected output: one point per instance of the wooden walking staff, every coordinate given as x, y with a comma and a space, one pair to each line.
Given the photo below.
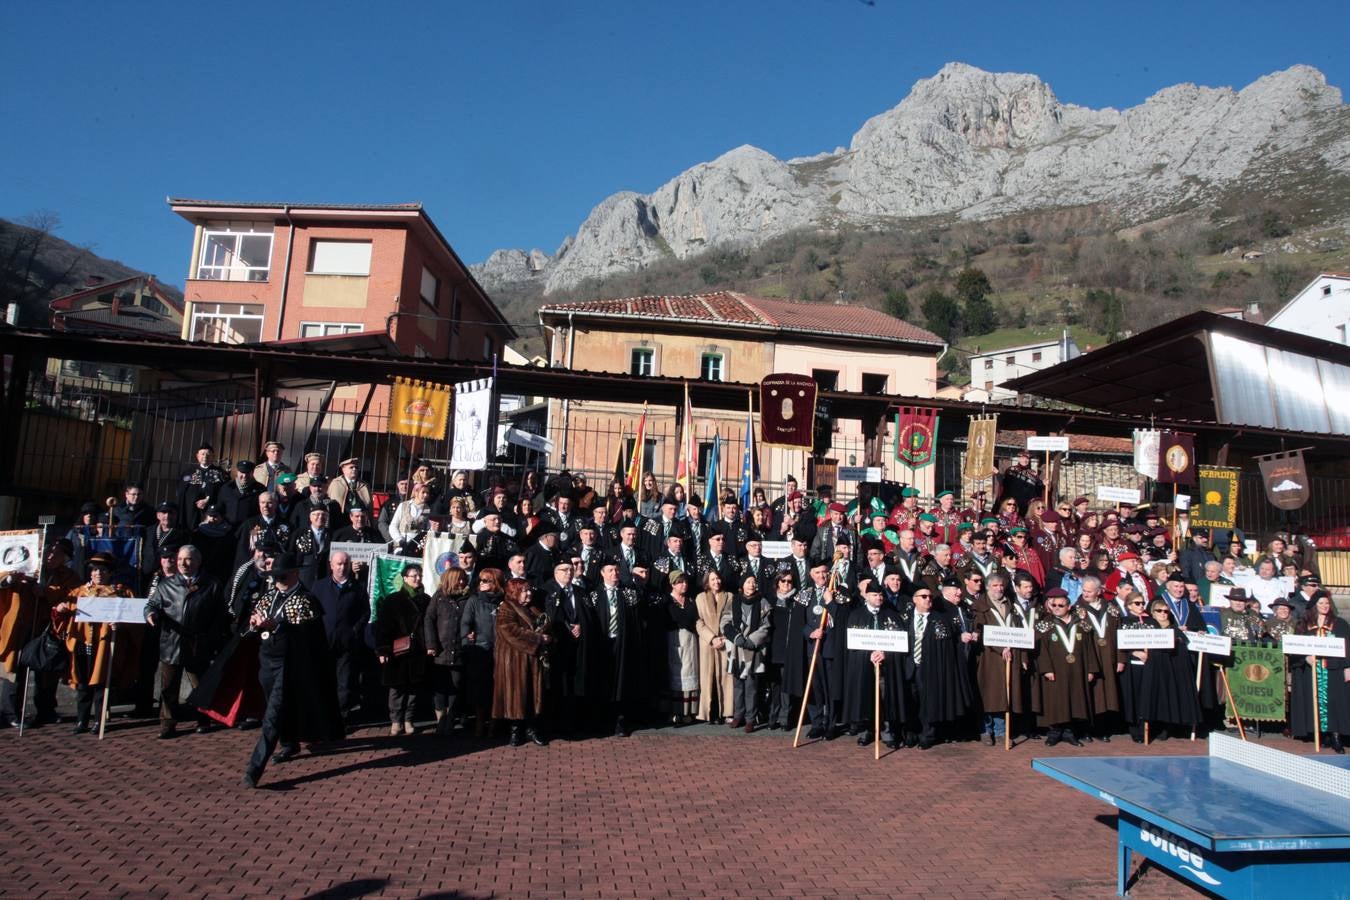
107, 682
1199, 673
815, 654
876, 700
1223, 673
1007, 707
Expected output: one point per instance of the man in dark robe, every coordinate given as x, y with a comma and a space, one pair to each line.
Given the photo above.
564, 600
933, 670
1067, 664
1020, 482
826, 689
543, 557
860, 677
198, 486
614, 650
295, 669
238, 500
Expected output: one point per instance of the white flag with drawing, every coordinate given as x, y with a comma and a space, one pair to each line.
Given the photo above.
473, 415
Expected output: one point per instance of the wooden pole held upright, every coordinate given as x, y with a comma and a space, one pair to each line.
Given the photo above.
1007, 706
1045, 478
1145, 732
1199, 673
876, 701
107, 683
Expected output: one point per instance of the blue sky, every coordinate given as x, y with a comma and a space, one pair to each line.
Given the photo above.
510, 120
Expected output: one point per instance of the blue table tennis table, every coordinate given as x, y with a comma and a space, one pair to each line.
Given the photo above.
1244, 821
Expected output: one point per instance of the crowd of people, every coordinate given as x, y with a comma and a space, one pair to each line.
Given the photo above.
571, 610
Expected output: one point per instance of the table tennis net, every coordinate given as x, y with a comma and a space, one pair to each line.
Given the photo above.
1300, 770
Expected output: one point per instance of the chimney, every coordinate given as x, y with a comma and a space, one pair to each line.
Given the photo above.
1253, 310
91, 280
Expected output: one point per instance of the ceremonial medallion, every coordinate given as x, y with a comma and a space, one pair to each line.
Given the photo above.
1069, 658
1101, 642
817, 609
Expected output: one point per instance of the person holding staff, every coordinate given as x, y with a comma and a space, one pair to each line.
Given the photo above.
1331, 675
933, 671
93, 666
1002, 672
860, 675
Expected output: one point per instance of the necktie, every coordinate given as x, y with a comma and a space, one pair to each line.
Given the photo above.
919, 625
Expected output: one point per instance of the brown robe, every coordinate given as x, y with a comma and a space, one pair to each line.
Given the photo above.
995, 697
1106, 687
25, 609
125, 663
518, 657
713, 678
1068, 698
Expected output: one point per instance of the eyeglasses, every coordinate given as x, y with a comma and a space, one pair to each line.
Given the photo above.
1136, 603
1057, 606
1159, 610
921, 596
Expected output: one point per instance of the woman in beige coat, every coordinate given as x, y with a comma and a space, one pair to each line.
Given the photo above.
713, 679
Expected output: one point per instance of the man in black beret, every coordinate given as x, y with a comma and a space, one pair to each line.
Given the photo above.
238, 500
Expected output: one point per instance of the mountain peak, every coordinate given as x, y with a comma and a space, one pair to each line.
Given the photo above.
971, 143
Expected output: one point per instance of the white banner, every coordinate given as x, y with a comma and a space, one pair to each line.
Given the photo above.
359, 552
440, 552
1262, 591
776, 549
860, 473
1048, 443
1307, 645
473, 412
1118, 495
878, 639
20, 551
1146, 452
1183, 502
1214, 644
1146, 639
129, 610
1001, 636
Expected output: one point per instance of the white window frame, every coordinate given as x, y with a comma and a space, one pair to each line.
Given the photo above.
226, 313
435, 287
712, 373
233, 270
328, 329
314, 249
648, 355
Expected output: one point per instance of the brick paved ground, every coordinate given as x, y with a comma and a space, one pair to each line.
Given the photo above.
690, 813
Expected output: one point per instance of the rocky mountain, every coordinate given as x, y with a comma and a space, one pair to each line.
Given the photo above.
965, 144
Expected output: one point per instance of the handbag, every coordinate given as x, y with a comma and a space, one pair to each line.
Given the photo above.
402, 645
45, 653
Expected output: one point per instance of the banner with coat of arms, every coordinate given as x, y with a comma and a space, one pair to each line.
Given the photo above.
916, 436
980, 447
1256, 682
787, 411
1146, 452
1176, 458
419, 409
1216, 497
440, 551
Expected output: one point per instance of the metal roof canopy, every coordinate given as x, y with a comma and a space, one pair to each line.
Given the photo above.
1214, 368
313, 364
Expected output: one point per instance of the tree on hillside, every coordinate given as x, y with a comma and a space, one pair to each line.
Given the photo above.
973, 290
1105, 312
26, 277
942, 313
896, 303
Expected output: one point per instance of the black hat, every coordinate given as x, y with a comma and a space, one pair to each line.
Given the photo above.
627, 503
565, 494
214, 509
318, 479
267, 545
694, 500
1238, 593
66, 545
1309, 579
244, 465
467, 547
1282, 601
102, 559
206, 446
546, 527
891, 570
166, 506
284, 562
87, 507
1176, 576
167, 552
950, 581
584, 526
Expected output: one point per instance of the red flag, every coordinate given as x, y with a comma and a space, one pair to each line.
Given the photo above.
684, 468
916, 436
787, 410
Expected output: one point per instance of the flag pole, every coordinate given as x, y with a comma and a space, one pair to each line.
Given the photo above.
750, 442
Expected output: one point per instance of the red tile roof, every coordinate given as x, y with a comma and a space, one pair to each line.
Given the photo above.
1082, 443
734, 310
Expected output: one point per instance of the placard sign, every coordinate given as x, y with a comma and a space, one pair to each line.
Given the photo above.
1183, 502
1214, 644
1118, 495
1048, 443
860, 473
878, 639
127, 610
1003, 636
1307, 645
776, 549
1146, 639
360, 553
